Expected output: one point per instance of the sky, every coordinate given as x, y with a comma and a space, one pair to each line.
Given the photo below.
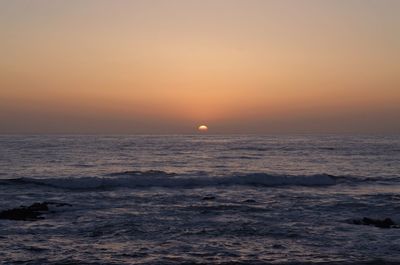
168, 66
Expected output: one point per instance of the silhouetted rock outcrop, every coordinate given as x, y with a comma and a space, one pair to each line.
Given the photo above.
384, 223
208, 198
29, 213
249, 201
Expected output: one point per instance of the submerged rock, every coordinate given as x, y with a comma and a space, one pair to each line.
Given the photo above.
29, 213
249, 201
384, 223
37, 206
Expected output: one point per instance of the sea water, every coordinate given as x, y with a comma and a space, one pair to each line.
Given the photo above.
203, 199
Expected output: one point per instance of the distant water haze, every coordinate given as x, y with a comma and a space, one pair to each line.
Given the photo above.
238, 66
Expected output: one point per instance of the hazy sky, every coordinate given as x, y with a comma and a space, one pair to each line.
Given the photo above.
167, 66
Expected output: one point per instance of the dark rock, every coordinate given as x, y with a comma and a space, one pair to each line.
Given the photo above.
384, 223
59, 204
327, 148
249, 201
278, 246
30, 213
208, 198
39, 207
22, 213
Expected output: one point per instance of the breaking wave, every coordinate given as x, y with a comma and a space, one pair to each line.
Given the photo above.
148, 179
157, 178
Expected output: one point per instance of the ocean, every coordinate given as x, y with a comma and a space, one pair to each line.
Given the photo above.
201, 199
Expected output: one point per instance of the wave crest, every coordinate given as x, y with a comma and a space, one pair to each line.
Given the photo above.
133, 179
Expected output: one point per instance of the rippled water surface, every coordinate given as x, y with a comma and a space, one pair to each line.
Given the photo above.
201, 199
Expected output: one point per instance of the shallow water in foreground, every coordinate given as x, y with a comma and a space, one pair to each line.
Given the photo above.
201, 198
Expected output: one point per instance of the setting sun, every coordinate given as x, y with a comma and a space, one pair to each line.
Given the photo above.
203, 128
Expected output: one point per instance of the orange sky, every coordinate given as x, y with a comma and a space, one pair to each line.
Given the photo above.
167, 66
